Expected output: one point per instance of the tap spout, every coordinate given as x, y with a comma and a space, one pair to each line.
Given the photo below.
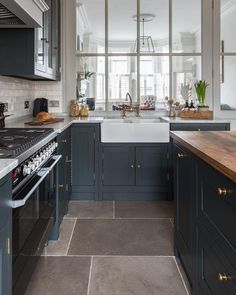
128, 96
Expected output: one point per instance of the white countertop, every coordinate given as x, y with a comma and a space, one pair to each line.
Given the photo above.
181, 120
58, 127
6, 166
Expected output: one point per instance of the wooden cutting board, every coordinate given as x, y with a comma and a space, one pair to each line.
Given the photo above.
42, 123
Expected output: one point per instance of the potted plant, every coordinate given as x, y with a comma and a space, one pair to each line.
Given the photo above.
201, 87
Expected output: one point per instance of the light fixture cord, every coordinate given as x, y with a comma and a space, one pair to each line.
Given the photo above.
143, 33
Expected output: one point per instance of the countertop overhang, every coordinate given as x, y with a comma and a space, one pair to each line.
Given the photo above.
216, 148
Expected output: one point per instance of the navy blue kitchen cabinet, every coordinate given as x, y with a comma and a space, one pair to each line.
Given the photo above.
5, 236
205, 213
134, 172
199, 126
85, 151
33, 53
64, 179
184, 197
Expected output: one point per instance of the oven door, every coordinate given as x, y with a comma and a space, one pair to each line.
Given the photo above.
33, 218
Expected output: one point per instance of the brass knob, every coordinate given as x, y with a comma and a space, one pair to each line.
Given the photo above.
61, 185
64, 141
180, 155
132, 166
223, 277
138, 166
222, 191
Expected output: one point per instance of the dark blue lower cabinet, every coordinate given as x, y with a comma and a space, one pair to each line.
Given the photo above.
134, 172
85, 151
204, 224
64, 179
5, 237
184, 196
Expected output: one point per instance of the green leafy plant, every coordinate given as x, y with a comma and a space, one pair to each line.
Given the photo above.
201, 87
88, 75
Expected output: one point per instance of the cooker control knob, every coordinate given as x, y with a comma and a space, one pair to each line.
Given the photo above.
32, 166
42, 157
26, 170
36, 162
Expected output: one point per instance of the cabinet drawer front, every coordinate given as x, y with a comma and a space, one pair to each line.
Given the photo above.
215, 274
217, 202
200, 127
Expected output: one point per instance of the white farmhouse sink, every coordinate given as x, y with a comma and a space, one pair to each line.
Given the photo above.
140, 130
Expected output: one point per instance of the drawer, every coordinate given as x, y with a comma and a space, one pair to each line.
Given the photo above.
215, 274
217, 202
5, 197
199, 126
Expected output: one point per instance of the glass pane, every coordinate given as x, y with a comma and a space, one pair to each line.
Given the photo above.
228, 86
90, 16
186, 26
122, 26
91, 81
122, 80
228, 21
154, 24
154, 81
186, 71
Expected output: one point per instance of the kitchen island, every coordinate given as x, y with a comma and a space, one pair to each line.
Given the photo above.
205, 198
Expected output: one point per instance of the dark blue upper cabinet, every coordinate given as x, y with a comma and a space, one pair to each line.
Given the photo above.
85, 144
33, 53
5, 236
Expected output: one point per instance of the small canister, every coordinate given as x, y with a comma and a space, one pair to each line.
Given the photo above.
74, 109
84, 111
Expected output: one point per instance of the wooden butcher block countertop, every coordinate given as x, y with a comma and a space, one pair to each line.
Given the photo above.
217, 148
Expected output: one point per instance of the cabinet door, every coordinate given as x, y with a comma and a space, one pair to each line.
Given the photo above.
68, 166
151, 166
183, 194
83, 154
41, 47
118, 165
5, 261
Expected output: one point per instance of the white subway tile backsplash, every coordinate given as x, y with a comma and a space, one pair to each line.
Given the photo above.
15, 91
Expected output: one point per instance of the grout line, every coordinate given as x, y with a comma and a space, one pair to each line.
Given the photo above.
133, 256
114, 210
125, 218
72, 232
181, 276
90, 275
171, 222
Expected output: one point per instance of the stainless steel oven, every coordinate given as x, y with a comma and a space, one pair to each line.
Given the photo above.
34, 205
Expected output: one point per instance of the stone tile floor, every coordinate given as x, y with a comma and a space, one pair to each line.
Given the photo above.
111, 248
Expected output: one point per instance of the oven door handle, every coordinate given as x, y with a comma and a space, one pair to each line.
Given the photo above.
19, 203
56, 160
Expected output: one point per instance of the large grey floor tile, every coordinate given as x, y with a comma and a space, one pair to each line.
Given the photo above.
135, 276
122, 237
142, 209
90, 209
60, 276
60, 247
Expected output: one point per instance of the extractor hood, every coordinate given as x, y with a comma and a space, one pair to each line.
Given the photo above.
22, 13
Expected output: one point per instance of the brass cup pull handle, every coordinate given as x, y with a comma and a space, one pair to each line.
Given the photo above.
222, 191
180, 155
68, 161
138, 166
223, 277
61, 185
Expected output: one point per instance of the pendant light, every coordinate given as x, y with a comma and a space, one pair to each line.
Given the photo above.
146, 42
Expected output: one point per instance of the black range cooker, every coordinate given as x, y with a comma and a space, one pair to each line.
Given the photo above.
34, 195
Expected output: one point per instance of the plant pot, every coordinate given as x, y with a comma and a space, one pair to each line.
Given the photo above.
203, 108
